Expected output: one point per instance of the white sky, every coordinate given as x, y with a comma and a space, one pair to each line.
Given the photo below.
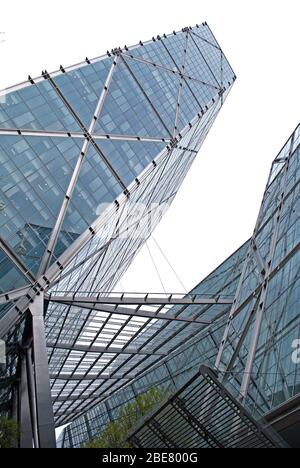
217, 206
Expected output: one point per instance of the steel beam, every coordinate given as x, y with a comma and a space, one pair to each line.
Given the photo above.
14, 295
181, 83
63, 399
64, 207
32, 396
26, 436
146, 96
55, 270
87, 378
46, 427
206, 41
135, 313
82, 135
40, 133
146, 299
146, 139
16, 261
178, 72
101, 349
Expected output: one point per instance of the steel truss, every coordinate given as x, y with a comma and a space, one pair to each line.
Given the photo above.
144, 316
34, 305
202, 414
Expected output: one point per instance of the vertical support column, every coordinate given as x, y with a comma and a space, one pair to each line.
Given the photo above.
32, 396
26, 438
15, 403
45, 418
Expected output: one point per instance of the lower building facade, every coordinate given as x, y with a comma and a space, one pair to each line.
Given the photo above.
91, 157
253, 341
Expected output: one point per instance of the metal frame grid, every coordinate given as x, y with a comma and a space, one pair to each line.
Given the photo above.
181, 362
93, 263
203, 414
135, 332
266, 291
263, 315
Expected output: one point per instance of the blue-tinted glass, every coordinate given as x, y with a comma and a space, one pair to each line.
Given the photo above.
35, 174
4, 308
161, 88
130, 158
36, 107
176, 44
96, 185
200, 62
216, 61
126, 110
83, 87
11, 277
194, 98
156, 52
213, 56
206, 35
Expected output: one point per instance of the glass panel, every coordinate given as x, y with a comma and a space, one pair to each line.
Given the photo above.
83, 87
95, 186
130, 158
176, 46
162, 88
126, 110
205, 33
36, 107
200, 64
11, 277
216, 61
35, 174
4, 308
193, 100
155, 52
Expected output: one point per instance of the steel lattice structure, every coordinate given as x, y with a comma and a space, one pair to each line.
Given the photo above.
186, 346
118, 130
249, 343
203, 414
264, 319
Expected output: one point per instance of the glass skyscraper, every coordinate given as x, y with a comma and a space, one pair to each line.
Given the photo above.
251, 343
91, 156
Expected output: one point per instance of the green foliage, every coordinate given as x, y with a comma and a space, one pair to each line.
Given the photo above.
114, 435
9, 433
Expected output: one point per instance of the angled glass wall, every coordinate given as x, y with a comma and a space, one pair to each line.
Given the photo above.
264, 325
80, 148
253, 343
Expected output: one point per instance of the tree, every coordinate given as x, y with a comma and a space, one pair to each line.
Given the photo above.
114, 435
9, 433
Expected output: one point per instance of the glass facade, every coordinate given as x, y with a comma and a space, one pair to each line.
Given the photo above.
86, 133
252, 343
88, 154
265, 319
200, 345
